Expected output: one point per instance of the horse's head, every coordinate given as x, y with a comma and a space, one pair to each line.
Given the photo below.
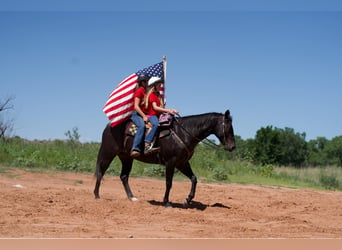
225, 132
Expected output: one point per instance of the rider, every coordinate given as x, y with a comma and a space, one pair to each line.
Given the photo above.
154, 106
138, 115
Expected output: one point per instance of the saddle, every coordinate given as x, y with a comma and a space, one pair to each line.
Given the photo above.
165, 122
131, 130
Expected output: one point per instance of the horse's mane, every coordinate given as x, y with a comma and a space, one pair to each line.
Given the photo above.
205, 116
199, 120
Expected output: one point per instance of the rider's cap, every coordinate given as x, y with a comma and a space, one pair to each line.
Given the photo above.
153, 80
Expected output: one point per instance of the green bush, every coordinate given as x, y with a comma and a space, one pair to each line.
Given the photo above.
154, 171
265, 170
220, 174
329, 181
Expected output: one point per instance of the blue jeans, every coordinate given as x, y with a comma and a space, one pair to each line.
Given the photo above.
155, 123
138, 138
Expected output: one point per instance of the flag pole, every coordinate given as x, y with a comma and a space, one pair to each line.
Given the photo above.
164, 69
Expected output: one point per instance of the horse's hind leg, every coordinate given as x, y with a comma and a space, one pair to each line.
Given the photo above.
187, 171
125, 171
102, 165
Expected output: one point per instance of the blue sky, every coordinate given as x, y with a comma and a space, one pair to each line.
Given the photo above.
269, 64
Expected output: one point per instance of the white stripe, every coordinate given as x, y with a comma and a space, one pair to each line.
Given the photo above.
108, 106
129, 77
121, 117
124, 84
116, 93
127, 106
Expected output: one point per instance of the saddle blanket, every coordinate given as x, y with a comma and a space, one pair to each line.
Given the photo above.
131, 129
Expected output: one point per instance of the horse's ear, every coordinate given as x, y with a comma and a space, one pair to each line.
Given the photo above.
227, 114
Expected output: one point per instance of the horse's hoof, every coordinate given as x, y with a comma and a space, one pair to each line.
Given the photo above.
168, 204
133, 199
186, 203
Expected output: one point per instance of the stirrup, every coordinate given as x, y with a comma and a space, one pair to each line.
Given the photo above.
150, 149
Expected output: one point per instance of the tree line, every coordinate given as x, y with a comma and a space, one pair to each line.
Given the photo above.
285, 147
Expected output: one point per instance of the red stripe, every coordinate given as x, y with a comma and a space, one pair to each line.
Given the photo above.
113, 124
109, 108
121, 116
117, 107
117, 114
122, 83
118, 95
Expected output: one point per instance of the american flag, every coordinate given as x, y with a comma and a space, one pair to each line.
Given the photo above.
120, 103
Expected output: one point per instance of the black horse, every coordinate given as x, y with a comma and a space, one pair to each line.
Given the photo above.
176, 149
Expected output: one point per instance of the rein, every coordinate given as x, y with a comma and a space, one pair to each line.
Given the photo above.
205, 141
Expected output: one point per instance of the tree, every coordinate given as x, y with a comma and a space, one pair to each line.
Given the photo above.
334, 150
73, 136
280, 147
6, 123
266, 146
316, 152
293, 148
243, 150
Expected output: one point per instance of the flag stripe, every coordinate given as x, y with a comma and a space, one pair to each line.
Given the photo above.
125, 83
122, 106
118, 98
119, 106
128, 107
120, 119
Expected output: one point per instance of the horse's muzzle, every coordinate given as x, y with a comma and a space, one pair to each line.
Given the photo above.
229, 148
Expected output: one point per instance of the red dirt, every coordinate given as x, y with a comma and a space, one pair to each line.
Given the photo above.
62, 205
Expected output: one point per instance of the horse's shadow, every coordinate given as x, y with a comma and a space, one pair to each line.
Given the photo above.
193, 205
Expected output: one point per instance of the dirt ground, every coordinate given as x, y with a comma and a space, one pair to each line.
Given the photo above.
62, 205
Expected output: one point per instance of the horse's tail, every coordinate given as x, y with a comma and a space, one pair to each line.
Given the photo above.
100, 156
104, 158
97, 172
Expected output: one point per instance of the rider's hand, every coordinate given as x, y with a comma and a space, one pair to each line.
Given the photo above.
173, 111
145, 118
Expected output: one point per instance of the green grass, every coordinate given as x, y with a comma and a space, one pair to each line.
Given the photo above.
4, 170
208, 164
55, 155
327, 178
78, 182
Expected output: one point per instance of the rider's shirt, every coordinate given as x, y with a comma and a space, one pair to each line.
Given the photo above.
140, 93
153, 98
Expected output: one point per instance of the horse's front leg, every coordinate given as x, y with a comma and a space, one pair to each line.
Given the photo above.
169, 176
124, 176
187, 171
